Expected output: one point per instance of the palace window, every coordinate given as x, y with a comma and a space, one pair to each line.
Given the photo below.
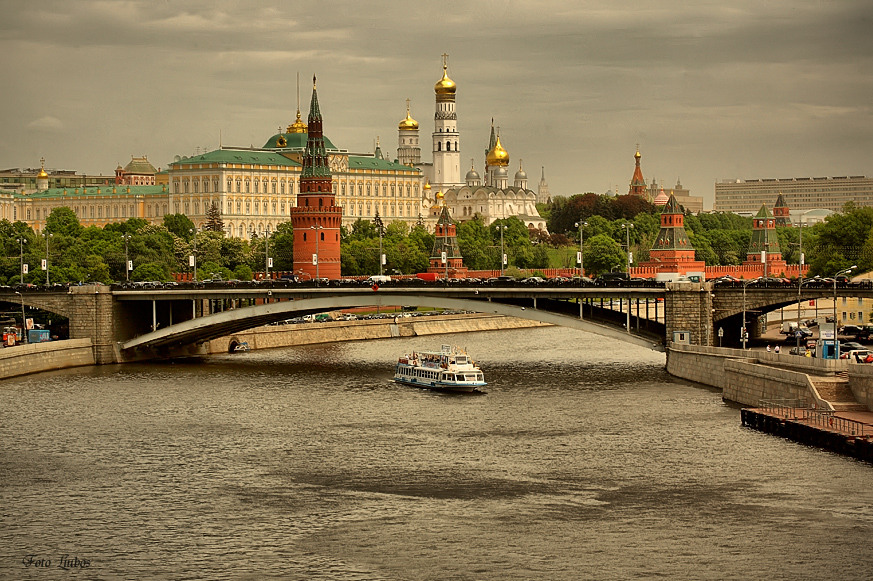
196, 187
229, 185
238, 185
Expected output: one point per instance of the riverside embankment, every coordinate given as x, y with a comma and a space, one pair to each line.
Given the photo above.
273, 336
819, 402
37, 357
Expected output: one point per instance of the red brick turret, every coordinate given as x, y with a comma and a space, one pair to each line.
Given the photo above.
316, 218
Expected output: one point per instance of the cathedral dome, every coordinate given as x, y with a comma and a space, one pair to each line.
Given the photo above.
501, 173
445, 86
662, 198
498, 155
472, 176
42, 173
408, 124
520, 174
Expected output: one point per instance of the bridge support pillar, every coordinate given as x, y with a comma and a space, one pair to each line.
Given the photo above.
688, 308
91, 317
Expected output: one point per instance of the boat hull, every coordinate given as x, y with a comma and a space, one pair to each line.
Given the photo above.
439, 385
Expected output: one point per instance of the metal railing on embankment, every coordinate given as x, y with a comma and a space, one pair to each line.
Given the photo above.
799, 410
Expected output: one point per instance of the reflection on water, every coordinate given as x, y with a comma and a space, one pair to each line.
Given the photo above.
585, 460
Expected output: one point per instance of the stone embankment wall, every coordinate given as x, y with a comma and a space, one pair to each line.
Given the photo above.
36, 357
747, 377
272, 336
861, 383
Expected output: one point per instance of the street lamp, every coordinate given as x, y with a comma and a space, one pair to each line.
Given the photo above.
836, 341
627, 228
501, 228
127, 264
315, 259
581, 225
23, 319
743, 333
193, 261
21, 242
47, 236
381, 256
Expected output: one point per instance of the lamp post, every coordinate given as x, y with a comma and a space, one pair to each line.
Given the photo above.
315, 259
21, 242
799, 285
381, 256
581, 225
836, 340
23, 319
127, 268
627, 228
501, 228
267, 252
743, 333
194, 256
47, 236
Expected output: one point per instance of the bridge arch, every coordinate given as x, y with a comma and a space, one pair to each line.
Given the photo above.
232, 321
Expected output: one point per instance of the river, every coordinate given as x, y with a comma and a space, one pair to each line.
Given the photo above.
584, 460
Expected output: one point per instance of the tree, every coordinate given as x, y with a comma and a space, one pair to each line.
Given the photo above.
602, 254
150, 271
282, 247
214, 223
180, 225
63, 221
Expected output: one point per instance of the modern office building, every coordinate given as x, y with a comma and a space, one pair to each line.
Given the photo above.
745, 197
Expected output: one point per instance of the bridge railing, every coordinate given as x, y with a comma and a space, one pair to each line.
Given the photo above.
797, 409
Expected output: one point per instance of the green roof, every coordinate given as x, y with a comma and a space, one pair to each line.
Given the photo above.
140, 165
377, 164
95, 191
250, 156
295, 142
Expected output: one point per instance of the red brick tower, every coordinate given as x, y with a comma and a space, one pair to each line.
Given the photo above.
316, 218
781, 212
638, 184
446, 241
672, 252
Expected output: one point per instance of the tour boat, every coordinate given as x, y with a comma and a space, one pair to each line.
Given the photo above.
449, 369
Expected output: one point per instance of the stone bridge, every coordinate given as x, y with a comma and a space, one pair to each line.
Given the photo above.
133, 324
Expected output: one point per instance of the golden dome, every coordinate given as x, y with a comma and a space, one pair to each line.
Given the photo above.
408, 124
427, 185
445, 86
498, 155
440, 195
298, 126
42, 173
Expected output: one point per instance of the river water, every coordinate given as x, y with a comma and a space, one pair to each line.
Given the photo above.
584, 460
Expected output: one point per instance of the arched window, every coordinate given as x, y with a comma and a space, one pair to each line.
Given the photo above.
448, 145
439, 145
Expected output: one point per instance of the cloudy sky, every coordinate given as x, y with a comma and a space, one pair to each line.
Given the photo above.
710, 90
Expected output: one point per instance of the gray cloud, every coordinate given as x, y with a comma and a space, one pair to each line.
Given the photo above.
709, 89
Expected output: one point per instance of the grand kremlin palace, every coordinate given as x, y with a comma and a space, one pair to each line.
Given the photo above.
253, 188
